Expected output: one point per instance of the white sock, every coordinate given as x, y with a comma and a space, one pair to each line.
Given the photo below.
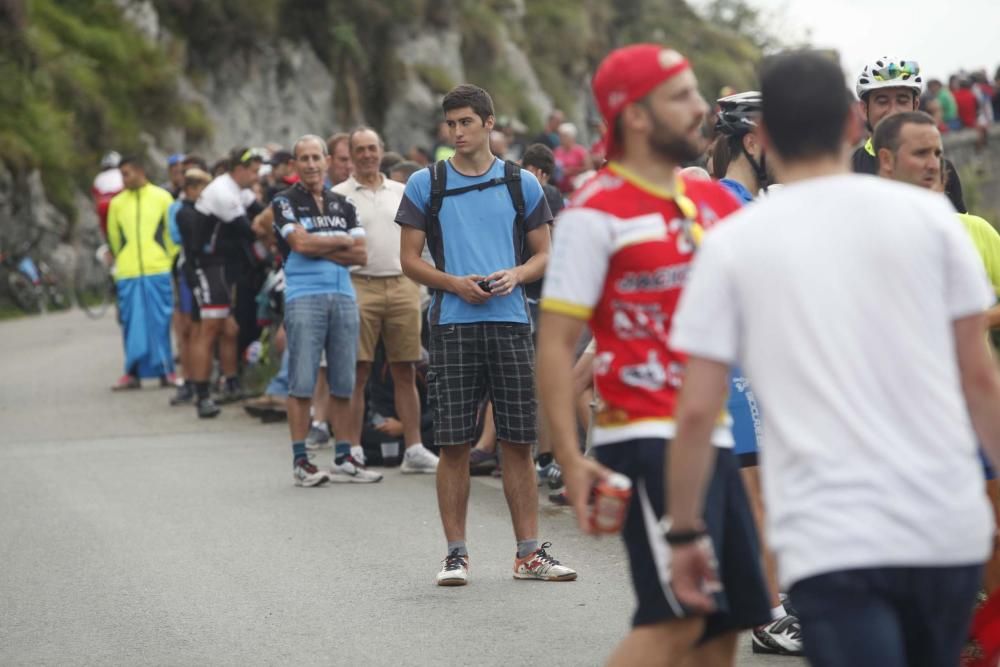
778, 613
358, 452
413, 447
321, 425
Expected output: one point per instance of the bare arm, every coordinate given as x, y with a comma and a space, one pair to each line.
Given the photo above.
557, 336
993, 317
415, 268
315, 245
691, 453
980, 382
689, 464
539, 241
263, 226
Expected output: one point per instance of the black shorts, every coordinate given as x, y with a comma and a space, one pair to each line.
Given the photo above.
744, 601
471, 362
212, 292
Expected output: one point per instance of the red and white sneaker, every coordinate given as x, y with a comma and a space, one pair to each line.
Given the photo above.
306, 474
454, 570
541, 566
126, 382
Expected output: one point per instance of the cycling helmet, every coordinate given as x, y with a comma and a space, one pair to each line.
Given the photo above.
738, 114
111, 160
890, 73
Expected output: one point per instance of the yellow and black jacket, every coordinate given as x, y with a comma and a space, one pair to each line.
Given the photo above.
138, 234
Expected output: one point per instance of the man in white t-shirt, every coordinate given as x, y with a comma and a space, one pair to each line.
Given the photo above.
856, 305
388, 302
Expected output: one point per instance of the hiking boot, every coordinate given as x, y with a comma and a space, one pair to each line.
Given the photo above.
207, 408
539, 565
184, 395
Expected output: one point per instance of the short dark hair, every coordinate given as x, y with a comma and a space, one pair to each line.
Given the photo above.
887, 132
135, 161
244, 155
407, 167
541, 157
389, 160
195, 161
468, 95
334, 140
806, 104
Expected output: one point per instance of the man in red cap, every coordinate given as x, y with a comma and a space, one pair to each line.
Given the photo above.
622, 253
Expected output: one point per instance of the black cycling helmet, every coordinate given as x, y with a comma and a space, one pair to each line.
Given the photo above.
738, 114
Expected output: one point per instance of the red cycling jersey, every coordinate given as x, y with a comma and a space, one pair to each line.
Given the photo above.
621, 257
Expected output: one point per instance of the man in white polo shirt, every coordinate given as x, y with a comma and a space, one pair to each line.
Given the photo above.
388, 301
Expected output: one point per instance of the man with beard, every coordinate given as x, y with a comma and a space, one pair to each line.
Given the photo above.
621, 258
862, 327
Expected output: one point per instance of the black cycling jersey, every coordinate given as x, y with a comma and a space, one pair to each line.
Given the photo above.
296, 204
863, 162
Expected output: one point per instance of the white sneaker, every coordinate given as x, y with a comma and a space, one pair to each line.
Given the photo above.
454, 570
419, 459
350, 471
306, 474
358, 454
541, 566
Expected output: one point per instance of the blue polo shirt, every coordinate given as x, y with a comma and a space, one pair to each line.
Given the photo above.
478, 236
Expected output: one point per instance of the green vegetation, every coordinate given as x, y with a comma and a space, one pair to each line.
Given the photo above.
79, 80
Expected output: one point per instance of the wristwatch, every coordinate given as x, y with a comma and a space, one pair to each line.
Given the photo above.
680, 537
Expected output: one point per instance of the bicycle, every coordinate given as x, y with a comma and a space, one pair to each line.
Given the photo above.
94, 284
32, 286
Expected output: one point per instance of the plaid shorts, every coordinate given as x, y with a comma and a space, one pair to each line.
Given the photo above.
470, 362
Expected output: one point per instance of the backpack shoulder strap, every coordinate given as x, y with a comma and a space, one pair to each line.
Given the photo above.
512, 176
439, 182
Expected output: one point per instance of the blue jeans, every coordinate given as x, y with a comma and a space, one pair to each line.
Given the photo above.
278, 386
316, 324
887, 616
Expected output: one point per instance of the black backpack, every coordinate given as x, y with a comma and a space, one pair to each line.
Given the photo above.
439, 184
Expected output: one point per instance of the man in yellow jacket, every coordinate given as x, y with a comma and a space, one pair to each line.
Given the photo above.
139, 238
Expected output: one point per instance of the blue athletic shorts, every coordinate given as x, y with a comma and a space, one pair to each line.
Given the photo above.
746, 418
744, 601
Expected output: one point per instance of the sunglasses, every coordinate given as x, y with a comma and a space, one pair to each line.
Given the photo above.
901, 70
252, 154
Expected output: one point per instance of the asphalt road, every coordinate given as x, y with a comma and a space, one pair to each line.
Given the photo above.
133, 534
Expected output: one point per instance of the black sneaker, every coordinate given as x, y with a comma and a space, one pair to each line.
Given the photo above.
184, 395
781, 637
230, 393
207, 408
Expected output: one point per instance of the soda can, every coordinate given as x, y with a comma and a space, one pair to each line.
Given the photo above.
611, 499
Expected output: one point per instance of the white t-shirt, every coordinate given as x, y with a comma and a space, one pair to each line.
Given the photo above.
225, 199
837, 296
377, 212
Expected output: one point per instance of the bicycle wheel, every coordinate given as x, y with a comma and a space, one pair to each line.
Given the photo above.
56, 293
23, 292
94, 289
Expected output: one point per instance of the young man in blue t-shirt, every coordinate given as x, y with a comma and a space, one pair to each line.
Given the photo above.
481, 343
320, 237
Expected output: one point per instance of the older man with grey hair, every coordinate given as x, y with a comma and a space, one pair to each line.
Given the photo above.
320, 237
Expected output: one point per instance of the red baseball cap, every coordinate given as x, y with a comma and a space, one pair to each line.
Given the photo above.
629, 74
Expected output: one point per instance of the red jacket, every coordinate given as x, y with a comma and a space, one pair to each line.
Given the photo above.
968, 106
